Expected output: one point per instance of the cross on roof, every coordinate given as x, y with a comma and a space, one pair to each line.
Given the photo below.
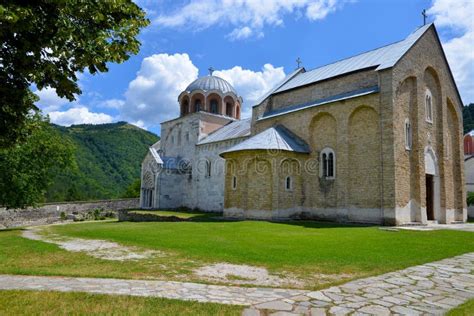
298, 62
211, 70
423, 13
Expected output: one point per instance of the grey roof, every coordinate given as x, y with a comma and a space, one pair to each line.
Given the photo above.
155, 155
208, 83
382, 58
339, 97
229, 131
277, 138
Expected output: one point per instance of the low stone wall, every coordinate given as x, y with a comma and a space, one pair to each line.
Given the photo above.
51, 212
127, 216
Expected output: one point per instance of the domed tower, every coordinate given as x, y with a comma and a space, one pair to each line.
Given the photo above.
210, 94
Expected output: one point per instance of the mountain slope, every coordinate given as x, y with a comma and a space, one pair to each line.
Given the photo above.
108, 158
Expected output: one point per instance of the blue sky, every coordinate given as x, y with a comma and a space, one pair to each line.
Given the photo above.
253, 44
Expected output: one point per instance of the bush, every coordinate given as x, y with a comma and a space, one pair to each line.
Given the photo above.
470, 198
62, 216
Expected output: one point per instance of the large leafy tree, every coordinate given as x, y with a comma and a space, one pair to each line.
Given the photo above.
46, 42
27, 168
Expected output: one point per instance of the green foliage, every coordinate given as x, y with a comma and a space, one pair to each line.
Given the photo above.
470, 198
47, 42
27, 169
63, 216
108, 156
133, 190
468, 117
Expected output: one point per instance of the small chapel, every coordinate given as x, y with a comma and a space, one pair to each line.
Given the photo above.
374, 138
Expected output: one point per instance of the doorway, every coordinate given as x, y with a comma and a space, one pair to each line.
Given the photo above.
429, 197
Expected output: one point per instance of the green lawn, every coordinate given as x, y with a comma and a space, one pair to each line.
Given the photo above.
466, 309
57, 303
308, 250
185, 215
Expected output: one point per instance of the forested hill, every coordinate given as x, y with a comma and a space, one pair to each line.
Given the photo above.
468, 117
108, 156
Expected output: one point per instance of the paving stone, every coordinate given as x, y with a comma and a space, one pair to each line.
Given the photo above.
318, 312
319, 296
375, 310
275, 305
338, 310
250, 312
405, 310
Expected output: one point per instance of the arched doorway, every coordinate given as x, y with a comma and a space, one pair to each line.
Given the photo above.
432, 185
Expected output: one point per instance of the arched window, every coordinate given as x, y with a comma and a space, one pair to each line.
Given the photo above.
185, 107
197, 105
328, 164
408, 135
208, 168
429, 106
214, 106
234, 182
237, 112
228, 109
289, 184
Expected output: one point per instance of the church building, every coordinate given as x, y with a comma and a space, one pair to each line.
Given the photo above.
374, 138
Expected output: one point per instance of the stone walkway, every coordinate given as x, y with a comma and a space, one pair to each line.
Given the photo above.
432, 289
166, 289
429, 289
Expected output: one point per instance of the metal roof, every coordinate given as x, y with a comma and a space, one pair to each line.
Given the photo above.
229, 131
155, 155
277, 138
339, 97
382, 58
208, 83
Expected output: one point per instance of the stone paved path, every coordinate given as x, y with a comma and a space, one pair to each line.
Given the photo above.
429, 289
166, 289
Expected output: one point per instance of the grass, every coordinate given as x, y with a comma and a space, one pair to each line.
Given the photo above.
57, 303
184, 215
465, 309
322, 253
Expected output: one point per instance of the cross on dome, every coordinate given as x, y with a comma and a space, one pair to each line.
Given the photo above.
211, 70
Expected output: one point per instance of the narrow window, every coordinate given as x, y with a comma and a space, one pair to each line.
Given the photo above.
214, 106
234, 182
197, 106
208, 168
187, 136
179, 138
429, 106
328, 164
408, 135
228, 109
288, 184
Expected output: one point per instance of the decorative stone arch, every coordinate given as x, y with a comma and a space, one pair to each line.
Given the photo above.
432, 187
364, 146
454, 156
214, 103
237, 111
198, 100
323, 131
147, 190
432, 88
327, 159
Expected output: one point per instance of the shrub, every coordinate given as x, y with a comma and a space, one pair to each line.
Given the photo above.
470, 198
62, 216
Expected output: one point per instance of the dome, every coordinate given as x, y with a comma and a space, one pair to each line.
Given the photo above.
211, 83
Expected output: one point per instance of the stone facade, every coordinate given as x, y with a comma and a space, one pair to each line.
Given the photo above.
380, 178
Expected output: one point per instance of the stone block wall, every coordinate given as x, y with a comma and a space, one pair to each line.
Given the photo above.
51, 212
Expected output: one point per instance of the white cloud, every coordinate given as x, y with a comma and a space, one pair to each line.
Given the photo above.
251, 85
112, 103
49, 100
152, 96
79, 115
247, 16
456, 17
243, 33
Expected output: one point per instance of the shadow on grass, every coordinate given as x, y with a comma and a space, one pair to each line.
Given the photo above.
11, 229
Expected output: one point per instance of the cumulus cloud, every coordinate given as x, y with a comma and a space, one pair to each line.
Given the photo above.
247, 16
49, 100
152, 96
251, 85
456, 18
79, 115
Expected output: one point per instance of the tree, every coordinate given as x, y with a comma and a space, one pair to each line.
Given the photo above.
47, 42
27, 169
133, 190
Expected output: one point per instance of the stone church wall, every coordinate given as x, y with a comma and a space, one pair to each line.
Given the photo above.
424, 67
